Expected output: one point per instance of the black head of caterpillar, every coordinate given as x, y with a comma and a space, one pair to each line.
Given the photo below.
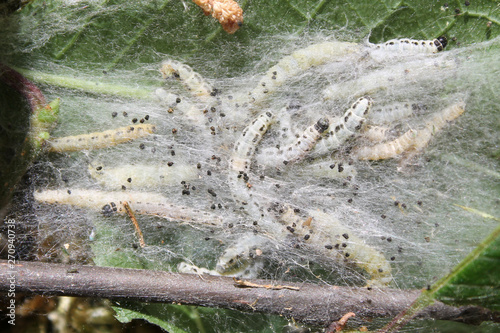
440, 43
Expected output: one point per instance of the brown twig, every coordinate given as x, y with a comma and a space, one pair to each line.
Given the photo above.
312, 304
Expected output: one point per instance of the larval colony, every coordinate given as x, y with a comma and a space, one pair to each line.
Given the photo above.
251, 173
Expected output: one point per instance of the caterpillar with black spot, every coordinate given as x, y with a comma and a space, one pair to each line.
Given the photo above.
324, 234
143, 203
345, 127
320, 232
142, 176
406, 45
298, 62
244, 148
244, 258
175, 104
100, 140
297, 150
193, 81
391, 113
243, 151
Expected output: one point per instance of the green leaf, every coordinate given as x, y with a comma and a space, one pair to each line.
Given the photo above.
125, 315
475, 281
121, 34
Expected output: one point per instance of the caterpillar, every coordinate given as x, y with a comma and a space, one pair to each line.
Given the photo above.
175, 103
388, 114
406, 45
306, 141
299, 149
166, 98
100, 140
143, 176
243, 258
388, 79
342, 129
184, 267
227, 12
389, 149
244, 147
143, 203
437, 122
320, 232
324, 234
412, 139
243, 152
376, 133
297, 62
191, 80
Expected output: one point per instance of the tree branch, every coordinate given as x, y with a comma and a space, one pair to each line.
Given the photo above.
311, 304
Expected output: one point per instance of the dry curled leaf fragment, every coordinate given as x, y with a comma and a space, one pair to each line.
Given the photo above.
246, 284
338, 326
227, 12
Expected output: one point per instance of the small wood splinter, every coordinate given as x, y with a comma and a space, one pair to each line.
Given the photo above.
227, 12
246, 284
130, 214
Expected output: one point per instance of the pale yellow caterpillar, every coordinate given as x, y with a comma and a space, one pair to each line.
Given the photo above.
100, 140
193, 81
345, 127
324, 234
299, 61
376, 133
388, 149
437, 122
412, 139
142, 203
142, 176
406, 45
